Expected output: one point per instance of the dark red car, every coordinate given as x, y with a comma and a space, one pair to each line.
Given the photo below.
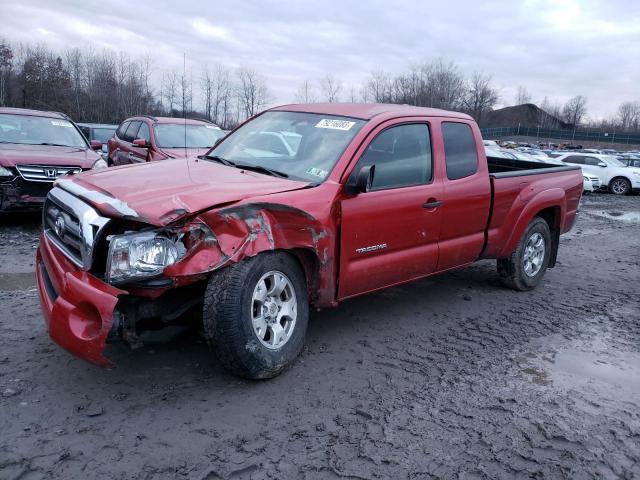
145, 138
253, 235
37, 148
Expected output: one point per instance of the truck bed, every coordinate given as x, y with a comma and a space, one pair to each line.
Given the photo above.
506, 167
516, 187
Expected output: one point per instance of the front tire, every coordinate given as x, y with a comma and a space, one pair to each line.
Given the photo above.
619, 186
526, 266
256, 314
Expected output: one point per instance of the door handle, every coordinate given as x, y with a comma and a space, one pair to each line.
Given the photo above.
432, 204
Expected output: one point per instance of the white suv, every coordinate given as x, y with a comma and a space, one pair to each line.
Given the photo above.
613, 174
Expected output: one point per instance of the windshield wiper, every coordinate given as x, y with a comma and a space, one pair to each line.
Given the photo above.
55, 145
261, 169
247, 166
221, 160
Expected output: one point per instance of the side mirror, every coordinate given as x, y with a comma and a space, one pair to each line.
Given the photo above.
362, 181
140, 143
95, 145
602, 164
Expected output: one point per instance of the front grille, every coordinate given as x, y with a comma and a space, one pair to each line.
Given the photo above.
64, 227
45, 173
72, 225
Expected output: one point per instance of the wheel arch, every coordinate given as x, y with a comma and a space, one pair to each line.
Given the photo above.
620, 177
247, 230
551, 206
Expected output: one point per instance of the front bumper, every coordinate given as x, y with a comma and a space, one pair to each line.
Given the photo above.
18, 194
78, 308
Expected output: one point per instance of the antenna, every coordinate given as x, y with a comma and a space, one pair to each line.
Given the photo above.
184, 106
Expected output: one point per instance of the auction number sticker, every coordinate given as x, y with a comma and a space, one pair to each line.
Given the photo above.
61, 123
317, 172
335, 124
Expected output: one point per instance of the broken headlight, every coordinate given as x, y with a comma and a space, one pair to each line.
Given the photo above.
142, 255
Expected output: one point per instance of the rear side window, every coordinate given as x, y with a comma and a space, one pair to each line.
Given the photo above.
402, 156
122, 129
574, 159
592, 161
459, 150
132, 131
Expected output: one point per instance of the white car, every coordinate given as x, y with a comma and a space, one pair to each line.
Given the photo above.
490, 143
591, 183
614, 175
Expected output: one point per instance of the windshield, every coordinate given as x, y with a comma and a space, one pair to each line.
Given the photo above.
172, 135
32, 130
304, 145
103, 134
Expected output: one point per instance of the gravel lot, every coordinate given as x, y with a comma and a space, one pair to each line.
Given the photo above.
448, 377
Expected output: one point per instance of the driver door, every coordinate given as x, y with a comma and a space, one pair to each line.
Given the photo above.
390, 234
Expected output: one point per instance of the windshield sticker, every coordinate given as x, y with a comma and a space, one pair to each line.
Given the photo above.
335, 124
61, 123
213, 127
317, 172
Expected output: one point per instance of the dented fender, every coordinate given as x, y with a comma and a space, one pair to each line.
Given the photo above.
245, 230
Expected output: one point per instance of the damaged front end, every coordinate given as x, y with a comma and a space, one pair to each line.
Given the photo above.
106, 279
16, 194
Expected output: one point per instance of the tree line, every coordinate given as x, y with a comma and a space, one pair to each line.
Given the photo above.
106, 86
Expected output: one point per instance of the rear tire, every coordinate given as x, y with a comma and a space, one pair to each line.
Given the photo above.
619, 186
254, 331
526, 266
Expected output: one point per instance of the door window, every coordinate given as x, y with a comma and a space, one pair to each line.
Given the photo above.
460, 151
132, 131
143, 132
122, 129
401, 155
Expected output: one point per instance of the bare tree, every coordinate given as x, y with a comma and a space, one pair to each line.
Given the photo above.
352, 94
445, 85
629, 115
481, 97
379, 88
523, 96
306, 93
170, 89
6, 57
217, 91
330, 88
252, 92
574, 110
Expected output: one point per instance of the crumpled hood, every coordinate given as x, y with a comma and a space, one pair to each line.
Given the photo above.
160, 192
13, 153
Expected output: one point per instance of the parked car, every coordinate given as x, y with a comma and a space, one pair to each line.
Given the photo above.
145, 138
614, 175
250, 243
37, 148
629, 159
101, 132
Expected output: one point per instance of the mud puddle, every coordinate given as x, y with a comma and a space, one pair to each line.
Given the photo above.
629, 217
593, 366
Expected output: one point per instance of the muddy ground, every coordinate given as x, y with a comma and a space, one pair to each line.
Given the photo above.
449, 377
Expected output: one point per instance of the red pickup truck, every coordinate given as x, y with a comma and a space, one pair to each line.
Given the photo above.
248, 237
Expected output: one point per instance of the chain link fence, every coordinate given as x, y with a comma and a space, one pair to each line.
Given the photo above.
577, 135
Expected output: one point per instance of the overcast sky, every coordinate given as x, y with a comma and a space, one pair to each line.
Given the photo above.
555, 48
